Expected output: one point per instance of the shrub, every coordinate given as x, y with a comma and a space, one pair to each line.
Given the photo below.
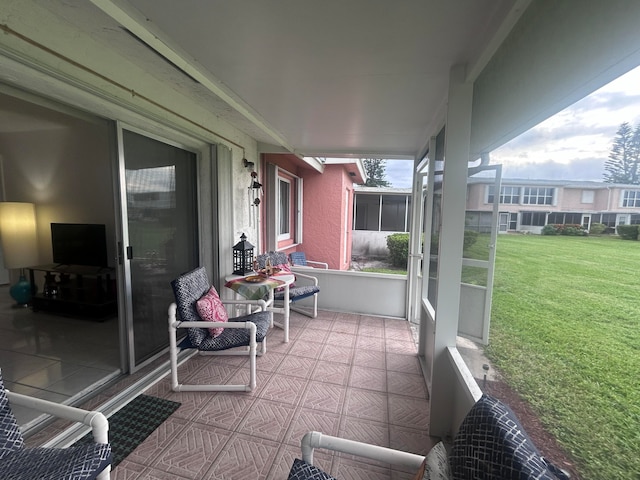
597, 228
470, 237
573, 230
628, 232
398, 245
564, 229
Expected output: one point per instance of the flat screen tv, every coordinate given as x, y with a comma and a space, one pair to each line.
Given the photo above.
79, 244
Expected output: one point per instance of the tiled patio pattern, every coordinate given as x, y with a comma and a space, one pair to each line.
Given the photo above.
342, 374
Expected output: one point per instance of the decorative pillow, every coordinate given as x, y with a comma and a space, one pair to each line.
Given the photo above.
211, 309
285, 268
301, 470
492, 445
435, 465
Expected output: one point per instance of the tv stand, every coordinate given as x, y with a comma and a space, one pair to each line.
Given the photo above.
75, 290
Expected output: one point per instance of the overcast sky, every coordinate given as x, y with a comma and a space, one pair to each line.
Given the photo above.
571, 145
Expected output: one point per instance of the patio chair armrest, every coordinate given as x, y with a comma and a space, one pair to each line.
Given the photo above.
321, 264
206, 324
94, 419
313, 440
307, 277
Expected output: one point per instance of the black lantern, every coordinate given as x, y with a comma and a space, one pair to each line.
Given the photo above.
242, 256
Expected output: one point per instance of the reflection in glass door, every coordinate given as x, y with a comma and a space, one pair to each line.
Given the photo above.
504, 222
160, 236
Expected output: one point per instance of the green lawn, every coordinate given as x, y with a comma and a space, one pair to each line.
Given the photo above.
565, 332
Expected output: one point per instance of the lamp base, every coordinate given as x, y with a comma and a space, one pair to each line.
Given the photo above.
21, 292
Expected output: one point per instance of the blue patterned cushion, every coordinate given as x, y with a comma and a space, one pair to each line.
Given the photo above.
492, 445
10, 437
74, 463
238, 337
277, 258
187, 289
298, 258
18, 463
298, 293
301, 470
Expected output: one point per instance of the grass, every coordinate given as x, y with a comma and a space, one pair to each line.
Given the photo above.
565, 333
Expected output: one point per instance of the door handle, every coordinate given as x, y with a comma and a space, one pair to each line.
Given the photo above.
129, 252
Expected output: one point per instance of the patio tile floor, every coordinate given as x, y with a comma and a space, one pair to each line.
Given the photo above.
341, 374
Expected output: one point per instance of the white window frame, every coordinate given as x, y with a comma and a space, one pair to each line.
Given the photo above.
274, 240
526, 198
282, 236
514, 194
630, 199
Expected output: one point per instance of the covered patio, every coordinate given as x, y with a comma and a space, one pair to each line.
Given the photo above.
183, 101
354, 376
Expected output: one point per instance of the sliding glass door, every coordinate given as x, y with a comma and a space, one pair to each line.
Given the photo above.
159, 238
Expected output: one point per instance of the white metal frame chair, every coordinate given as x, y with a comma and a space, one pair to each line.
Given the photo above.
88, 461
313, 440
240, 336
299, 259
305, 289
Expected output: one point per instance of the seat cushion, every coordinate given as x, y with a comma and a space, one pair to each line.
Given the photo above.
10, 437
492, 444
277, 258
237, 337
298, 293
83, 462
301, 470
211, 309
187, 290
298, 258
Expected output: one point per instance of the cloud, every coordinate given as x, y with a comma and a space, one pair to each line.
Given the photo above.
589, 169
571, 145
399, 173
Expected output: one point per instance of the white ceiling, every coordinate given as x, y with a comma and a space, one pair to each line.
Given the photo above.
323, 78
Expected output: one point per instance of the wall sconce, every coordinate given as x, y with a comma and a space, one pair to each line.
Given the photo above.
248, 164
242, 256
19, 244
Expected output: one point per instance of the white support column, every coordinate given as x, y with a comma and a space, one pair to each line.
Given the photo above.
458, 133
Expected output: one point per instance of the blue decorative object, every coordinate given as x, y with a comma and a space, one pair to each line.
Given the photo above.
21, 291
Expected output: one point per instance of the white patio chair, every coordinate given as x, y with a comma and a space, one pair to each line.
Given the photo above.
81, 462
240, 335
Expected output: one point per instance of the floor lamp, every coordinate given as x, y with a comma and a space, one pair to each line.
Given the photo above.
19, 244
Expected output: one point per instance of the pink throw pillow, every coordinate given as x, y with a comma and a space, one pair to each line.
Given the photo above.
211, 309
284, 268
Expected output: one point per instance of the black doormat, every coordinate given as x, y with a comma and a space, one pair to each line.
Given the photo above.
133, 423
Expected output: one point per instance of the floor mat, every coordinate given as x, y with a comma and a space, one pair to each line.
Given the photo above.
133, 423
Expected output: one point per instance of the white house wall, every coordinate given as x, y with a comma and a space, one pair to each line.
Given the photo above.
558, 52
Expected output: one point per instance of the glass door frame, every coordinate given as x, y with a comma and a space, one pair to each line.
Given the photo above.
202, 151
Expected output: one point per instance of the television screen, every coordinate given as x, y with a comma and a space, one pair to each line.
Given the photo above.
79, 244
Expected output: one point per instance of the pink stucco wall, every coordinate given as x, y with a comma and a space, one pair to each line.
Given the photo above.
324, 237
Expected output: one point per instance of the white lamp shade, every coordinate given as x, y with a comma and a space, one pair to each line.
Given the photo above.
18, 234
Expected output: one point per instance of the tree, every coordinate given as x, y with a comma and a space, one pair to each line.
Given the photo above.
623, 165
375, 168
